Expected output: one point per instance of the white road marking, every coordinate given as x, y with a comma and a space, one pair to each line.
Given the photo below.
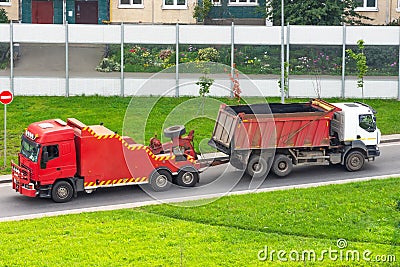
189, 198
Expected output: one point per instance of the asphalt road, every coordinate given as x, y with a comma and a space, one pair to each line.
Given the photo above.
215, 181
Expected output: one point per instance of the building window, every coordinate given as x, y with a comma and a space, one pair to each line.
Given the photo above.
218, 2
174, 4
5, 2
130, 4
398, 6
243, 2
366, 5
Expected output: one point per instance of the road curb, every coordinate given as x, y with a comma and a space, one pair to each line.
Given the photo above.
393, 140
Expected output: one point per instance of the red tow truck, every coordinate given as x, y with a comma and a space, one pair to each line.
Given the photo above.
58, 159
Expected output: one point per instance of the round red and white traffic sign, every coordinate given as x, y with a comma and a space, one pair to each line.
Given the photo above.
6, 97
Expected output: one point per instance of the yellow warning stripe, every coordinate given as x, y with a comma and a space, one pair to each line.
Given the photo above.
116, 182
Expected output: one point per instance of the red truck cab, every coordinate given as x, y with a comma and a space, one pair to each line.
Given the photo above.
47, 153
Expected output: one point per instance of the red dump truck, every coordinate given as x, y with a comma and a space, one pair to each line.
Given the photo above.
276, 136
59, 159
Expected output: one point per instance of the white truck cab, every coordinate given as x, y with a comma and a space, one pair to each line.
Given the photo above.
356, 121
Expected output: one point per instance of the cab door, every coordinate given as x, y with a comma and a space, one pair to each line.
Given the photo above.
367, 130
50, 167
57, 161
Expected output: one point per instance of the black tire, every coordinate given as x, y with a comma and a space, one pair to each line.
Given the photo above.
257, 167
187, 177
62, 192
160, 180
174, 131
354, 161
282, 165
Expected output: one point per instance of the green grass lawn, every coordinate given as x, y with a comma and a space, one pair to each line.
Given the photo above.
231, 231
163, 112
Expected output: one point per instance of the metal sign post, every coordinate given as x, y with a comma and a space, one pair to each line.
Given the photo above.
6, 97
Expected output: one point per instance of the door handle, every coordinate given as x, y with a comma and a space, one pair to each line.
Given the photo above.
58, 169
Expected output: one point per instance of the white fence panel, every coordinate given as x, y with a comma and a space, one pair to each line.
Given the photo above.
4, 83
372, 35
98, 86
199, 34
320, 35
257, 35
150, 34
373, 88
39, 33
39, 86
94, 34
4, 32
309, 87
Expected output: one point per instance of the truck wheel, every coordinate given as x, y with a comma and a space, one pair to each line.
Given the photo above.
174, 131
62, 192
257, 167
160, 180
187, 177
282, 165
354, 161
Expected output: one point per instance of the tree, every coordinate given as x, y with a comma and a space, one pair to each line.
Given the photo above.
3, 16
311, 12
361, 62
201, 10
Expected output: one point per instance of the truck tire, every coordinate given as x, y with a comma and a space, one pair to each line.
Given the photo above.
187, 177
174, 131
282, 165
62, 192
257, 167
354, 161
160, 180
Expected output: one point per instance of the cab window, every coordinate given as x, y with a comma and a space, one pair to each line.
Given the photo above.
367, 122
53, 153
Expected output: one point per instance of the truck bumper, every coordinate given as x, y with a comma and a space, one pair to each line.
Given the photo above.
373, 151
21, 182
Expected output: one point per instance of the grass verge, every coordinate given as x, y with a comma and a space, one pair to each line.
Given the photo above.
232, 231
111, 111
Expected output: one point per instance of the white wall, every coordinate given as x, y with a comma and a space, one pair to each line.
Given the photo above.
299, 87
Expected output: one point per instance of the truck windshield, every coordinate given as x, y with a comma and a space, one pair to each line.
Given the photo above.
29, 149
368, 122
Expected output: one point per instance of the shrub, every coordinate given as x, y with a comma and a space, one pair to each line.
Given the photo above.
208, 54
108, 65
3, 16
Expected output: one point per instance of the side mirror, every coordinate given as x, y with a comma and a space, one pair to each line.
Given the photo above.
45, 157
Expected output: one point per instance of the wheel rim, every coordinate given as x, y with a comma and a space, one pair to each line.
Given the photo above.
161, 181
355, 161
62, 192
257, 167
187, 178
282, 166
